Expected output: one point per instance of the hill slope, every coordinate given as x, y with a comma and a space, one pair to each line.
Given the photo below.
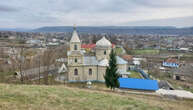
165, 30
33, 97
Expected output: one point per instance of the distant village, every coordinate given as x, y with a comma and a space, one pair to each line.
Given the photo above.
30, 57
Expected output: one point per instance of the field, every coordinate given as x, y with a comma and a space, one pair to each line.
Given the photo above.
135, 74
119, 51
34, 97
144, 51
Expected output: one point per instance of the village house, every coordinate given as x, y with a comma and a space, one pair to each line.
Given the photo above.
171, 63
184, 73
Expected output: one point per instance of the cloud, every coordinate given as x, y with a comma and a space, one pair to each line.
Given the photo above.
164, 3
178, 22
36, 13
7, 9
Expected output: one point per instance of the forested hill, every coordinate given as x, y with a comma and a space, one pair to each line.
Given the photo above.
164, 30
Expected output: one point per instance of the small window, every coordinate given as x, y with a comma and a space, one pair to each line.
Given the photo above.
75, 60
105, 52
90, 71
75, 47
177, 77
75, 71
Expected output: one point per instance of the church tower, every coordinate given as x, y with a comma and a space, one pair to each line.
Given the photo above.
75, 43
75, 58
103, 49
75, 55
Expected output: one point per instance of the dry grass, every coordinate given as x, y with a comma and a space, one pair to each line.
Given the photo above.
34, 97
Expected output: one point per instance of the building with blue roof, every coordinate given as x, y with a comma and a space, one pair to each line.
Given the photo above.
138, 84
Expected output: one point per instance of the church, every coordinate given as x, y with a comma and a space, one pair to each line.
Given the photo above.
82, 67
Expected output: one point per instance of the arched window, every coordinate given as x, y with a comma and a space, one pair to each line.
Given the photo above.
75, 47
75, 60
90, 71
75, 71
105, 52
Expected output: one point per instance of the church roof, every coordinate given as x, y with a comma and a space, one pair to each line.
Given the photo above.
104, 62
90, 60
120, 60
103, 42
75, 52
75, 37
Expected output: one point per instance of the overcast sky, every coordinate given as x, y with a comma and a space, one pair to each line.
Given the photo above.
37, 13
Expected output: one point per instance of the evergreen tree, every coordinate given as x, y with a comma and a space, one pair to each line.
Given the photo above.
111, 76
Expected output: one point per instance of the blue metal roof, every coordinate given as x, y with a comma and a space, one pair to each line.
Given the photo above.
138, 84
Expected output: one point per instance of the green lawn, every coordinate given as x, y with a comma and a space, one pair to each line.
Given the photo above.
144, 51
4, 76
33, 97
134, 74
119, 51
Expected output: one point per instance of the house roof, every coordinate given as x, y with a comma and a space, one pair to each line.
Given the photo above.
136, 62
91, 46
127, 57
88, 46
138, 84
171, 60
63, 68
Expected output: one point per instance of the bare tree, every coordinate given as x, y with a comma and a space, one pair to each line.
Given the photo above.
48, 60
21, 60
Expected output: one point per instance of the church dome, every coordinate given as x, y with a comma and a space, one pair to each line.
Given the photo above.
103, 43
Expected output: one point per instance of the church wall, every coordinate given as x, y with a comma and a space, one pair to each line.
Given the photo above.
75, 43
71, 60
101, 72
122, 66
100, 53
93, 76
73, 77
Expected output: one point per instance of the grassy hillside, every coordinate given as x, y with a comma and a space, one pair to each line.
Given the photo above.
33, 97
145, 51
